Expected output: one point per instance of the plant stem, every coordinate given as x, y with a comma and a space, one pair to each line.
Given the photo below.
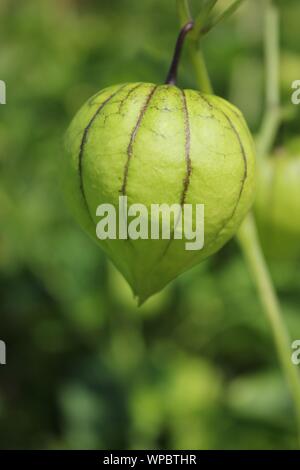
247, 234
184, 12
172, 74
200, 69
196, 54
250, 245
272, 117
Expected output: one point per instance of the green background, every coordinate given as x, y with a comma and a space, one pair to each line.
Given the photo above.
195, 367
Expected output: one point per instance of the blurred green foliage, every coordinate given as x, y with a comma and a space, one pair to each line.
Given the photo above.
195, 367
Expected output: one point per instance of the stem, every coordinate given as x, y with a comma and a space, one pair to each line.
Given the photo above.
172, 75
247, 234
272, 118
196, 54
250, 245
184, 12
200, 69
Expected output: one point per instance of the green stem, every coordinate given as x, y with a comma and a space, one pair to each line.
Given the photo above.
200, 69
272, 117
184, 12
196, 54
247, 234
250, 245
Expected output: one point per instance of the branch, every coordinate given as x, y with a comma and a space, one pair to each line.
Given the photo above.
184, 12
273, 115
248, 239
196, 54
215, 20
247, 234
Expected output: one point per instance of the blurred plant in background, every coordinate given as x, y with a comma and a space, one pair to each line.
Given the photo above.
195, 367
